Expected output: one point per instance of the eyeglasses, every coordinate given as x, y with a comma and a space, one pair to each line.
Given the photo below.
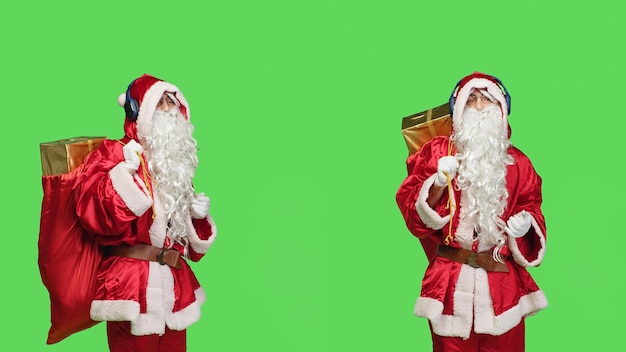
165, 101
472, 99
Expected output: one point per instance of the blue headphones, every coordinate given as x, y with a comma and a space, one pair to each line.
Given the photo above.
131, 106
502, 87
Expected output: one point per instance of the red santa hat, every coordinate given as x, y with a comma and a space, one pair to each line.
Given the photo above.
483, 82
141, 98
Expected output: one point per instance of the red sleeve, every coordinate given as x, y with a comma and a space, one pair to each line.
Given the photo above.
420, 166
108, 197
525, 193
202, 238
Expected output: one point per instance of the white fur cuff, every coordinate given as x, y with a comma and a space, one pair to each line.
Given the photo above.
114, 310
518, 256
135, 197
429, 217
199, 245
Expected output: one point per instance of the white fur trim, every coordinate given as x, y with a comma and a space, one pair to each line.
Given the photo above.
429, 217
135, 197
488, 323
185, 317
463, 296
517, 254
428, 308
199, 245
483, 306
149, 103
114, 310
460, 323
472, 301
158, 229
159, 300
464, 232
480, 83
160, 304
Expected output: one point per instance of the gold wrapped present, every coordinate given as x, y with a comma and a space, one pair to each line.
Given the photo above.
421, 127
65, 155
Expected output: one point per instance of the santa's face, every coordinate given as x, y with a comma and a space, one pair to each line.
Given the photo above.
166, 103
479, 100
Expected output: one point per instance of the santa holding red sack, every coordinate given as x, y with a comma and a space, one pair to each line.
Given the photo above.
474, 200
136, 199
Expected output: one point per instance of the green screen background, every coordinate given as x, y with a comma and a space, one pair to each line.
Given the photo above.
297, 107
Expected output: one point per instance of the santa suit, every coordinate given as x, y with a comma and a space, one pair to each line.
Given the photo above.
121, 208
460, 300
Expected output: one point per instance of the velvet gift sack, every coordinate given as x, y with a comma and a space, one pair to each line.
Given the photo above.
419, 128
68, 260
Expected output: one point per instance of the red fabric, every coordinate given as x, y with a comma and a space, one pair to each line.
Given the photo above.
442, 275
141, 85
99, 207
409, 190
123, 284
523, 185
511, 341
104, 213
121, 340
125, 279
68, 262
476, 75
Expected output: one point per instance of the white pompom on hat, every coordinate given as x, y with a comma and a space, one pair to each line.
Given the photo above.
121, 99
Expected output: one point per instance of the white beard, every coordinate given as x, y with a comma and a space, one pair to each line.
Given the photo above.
482, 141
172, 160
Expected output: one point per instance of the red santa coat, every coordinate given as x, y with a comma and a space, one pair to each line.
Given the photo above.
456, 297
118, 207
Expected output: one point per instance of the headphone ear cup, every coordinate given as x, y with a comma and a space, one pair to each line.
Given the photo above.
451, 103
453, 98
131, 106
131, 109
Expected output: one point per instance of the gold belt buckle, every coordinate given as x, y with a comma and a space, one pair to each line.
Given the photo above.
471, 260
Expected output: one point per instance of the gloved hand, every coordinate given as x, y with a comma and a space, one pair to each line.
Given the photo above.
446, 165
518, 224
132, 151
200, 206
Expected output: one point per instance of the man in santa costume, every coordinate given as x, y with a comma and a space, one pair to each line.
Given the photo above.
474, 201
136, 199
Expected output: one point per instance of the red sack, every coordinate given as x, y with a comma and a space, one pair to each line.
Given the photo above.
68, 260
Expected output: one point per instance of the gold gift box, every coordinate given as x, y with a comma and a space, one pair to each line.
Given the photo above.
421, 127
65, 155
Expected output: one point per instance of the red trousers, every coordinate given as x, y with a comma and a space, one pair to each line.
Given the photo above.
510, 341
121, 340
